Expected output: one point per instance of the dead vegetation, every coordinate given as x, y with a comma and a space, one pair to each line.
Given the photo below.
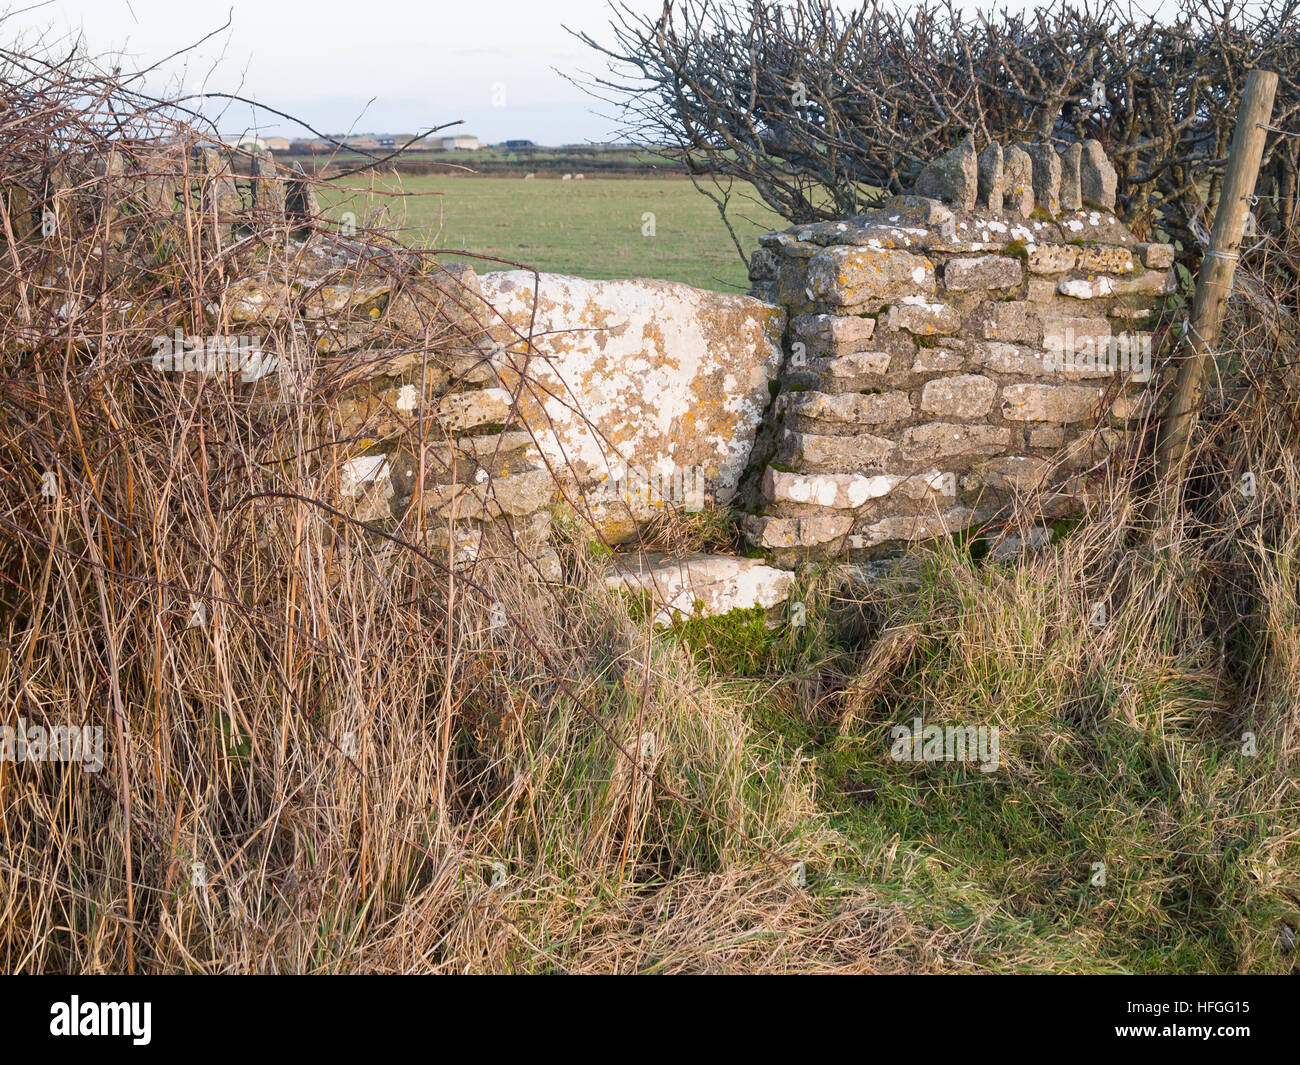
331, 750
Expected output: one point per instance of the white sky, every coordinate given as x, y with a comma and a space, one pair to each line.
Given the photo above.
376, 66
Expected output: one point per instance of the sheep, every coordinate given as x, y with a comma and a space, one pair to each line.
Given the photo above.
567, 177
529, 177
579, 177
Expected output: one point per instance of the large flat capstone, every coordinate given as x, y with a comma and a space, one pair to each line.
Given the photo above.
636, 379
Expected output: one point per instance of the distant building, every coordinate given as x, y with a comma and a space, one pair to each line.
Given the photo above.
520, 144
459, 144
312, 146
364, 143
276, 144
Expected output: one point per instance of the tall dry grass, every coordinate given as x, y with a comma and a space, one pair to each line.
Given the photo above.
350, 765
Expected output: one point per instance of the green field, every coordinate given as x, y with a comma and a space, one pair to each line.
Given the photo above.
591, 228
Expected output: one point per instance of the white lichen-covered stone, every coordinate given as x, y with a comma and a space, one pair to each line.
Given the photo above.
700, 584
840, 491
868, 278
1081, 289
641, 374
1098, 181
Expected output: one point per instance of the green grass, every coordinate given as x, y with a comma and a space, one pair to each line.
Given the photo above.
1114, 752
590, 228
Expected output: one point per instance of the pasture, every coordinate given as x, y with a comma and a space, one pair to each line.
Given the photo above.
597, 227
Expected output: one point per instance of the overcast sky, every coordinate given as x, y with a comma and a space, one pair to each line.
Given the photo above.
369, 66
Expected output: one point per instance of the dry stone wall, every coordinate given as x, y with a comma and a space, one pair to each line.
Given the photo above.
951, 350
894, 376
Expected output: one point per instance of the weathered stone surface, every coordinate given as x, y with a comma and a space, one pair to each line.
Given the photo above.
300, 201
999, 357
1045, 436
518, 494
335, 301
849, 373
1084, 451
1148, 283
219, 192
912, 528
1005, 360
1012, 320
920, 318
834, 454
938, 359
1156, 256
268, 184
1013, 545
812, 530
1018, 181
497, 453
644, 374
839, 491
1080, 289
1071, 196
258, 298
900, 222
1049, 403
1021, 472
964, 396
707, 585
366, 483
913, 211
1094, 226
1102, 260
515, 496
1046, 175
1052, 258
868, 278
851, 410
1097, 178
464, 410
986, 271
989, 164
953, 178
830, 334
941, 439
1129, 404
763, 265
1063, 331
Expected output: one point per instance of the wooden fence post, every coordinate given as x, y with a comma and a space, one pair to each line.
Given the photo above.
1214, 280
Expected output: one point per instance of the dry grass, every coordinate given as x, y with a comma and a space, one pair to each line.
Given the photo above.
376, 778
